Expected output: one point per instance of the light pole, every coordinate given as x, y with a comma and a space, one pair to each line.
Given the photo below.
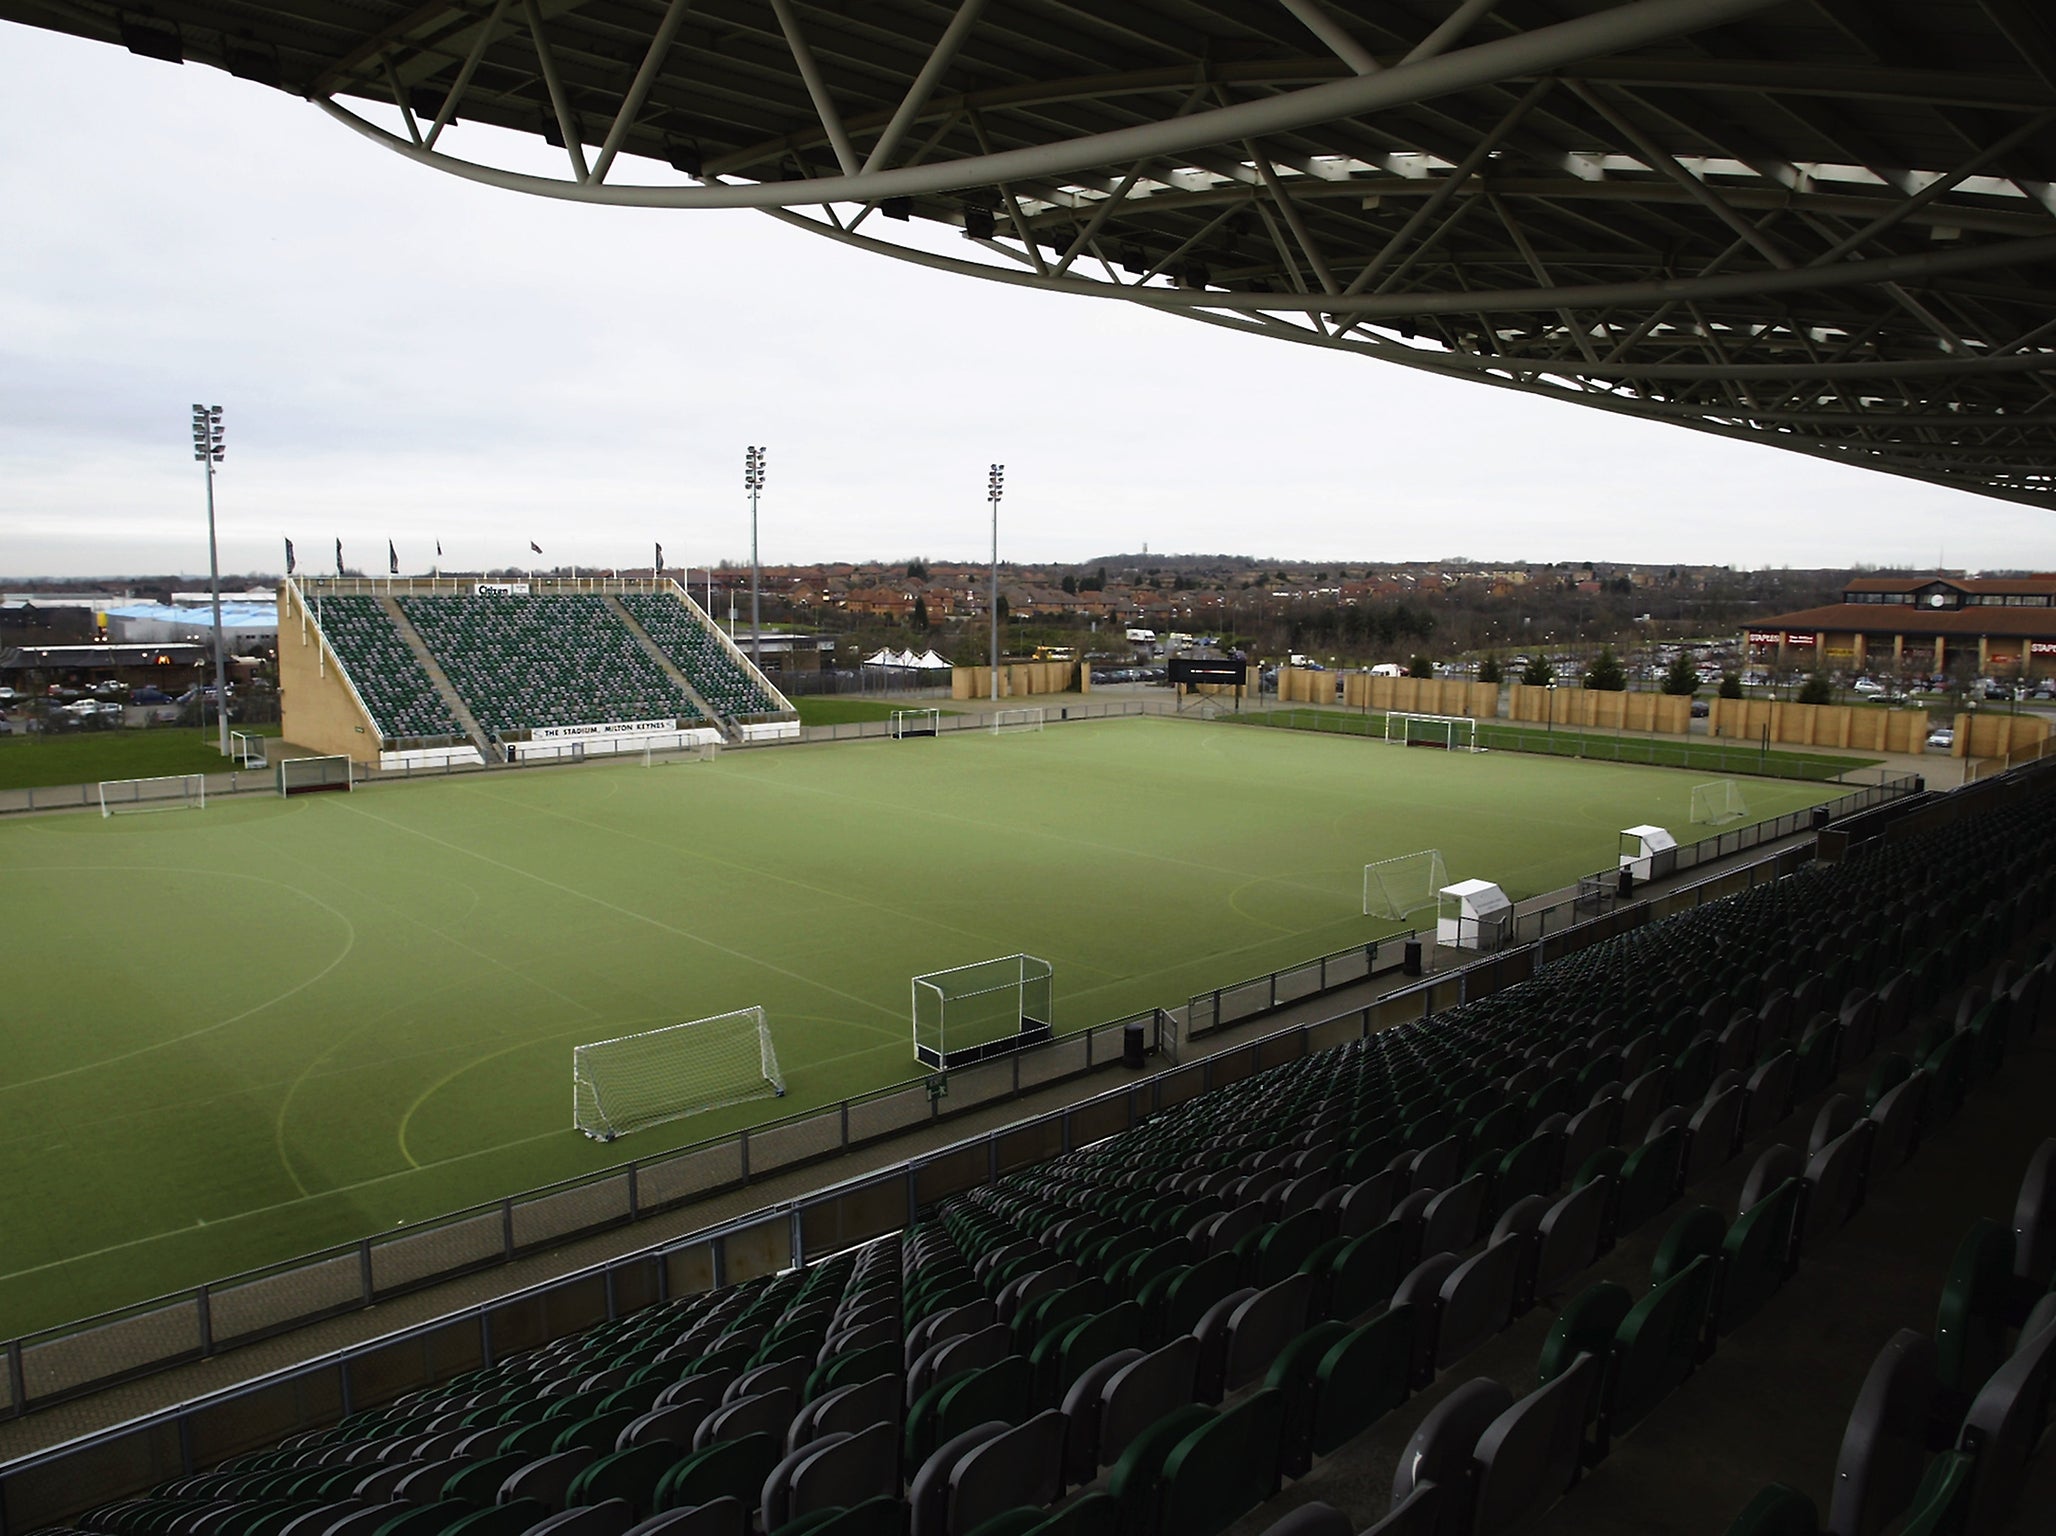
995, 484
753, 482
209, 444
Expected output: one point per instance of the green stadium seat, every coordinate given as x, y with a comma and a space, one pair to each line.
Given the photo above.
499, 1519
1757, 1254
1225, 1468
728, 1469
1649, 1179
1777, 1511
1971, 1322
1134, 1484
1362, 1377
1294, 1375
1657, 1346
631, 1475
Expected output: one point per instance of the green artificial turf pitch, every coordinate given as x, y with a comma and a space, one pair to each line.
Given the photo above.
240, 1034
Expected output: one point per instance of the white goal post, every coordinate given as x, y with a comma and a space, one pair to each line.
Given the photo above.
1718, 802
1459, 733
246, 748
1395, 887
635, 1081
170, 792
1016, 720
988, 1008
916, 722
311, 775
700, 750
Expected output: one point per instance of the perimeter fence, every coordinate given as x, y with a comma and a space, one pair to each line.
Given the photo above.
46, 1488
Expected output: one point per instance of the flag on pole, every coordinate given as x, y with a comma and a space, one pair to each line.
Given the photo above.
289, 557
339, 557
660, 560
535, 546
392, 558
438, 549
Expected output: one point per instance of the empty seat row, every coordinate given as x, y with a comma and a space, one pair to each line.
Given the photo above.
552, 659
730, 685
386, 673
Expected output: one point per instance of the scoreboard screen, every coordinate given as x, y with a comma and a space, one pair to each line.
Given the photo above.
1209, 669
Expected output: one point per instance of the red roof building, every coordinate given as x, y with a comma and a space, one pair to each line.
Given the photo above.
1928, 624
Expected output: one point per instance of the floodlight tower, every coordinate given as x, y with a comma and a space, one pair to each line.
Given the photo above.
995, 485
210, 442
753, 482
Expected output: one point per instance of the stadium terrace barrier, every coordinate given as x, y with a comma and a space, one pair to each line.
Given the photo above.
71, 1360
1537, 918
68, 1361
1599, 891
48, 1487
876, 682
75, 797
1702, 755
1224, 1007
72, 797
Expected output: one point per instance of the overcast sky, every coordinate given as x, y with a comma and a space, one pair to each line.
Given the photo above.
404, 355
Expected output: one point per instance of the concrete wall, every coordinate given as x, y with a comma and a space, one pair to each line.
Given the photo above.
1596, 709
1844, 727
316, 708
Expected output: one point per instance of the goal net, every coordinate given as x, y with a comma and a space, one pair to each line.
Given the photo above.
175, 792
1458, 733
246, 748
1395, 887
1718, 802
916, 722
310, 775
640, 1080
698, 750
985, 1009
1016, 720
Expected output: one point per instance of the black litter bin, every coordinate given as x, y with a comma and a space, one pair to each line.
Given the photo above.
1131, 1047
1820, 818
1627, 882
1412, 960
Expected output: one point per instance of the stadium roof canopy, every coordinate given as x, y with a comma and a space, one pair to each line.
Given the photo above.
1823, 224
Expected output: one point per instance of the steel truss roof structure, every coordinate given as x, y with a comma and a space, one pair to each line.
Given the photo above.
1822, 224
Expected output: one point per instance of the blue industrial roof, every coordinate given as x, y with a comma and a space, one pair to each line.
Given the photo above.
233, 615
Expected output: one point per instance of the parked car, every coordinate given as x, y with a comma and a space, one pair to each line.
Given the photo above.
1942, 736
1701, 708
8, 695
149, 695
